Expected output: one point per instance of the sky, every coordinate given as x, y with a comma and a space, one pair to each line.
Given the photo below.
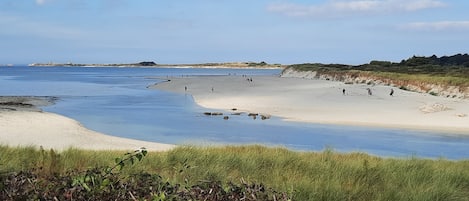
200, 31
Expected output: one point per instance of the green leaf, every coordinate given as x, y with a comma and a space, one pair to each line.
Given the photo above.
108, 170
76, 181
87, 178
161, 197
87, 188
105, 183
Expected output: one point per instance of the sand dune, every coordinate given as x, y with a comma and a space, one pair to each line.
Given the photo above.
321, 101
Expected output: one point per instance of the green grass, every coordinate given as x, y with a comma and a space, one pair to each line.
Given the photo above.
402, 72
306, 175
423, 78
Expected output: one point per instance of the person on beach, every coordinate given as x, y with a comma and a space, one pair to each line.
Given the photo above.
185, 88
369, 91
392, 92
343, 92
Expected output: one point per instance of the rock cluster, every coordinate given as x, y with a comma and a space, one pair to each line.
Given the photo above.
252, 115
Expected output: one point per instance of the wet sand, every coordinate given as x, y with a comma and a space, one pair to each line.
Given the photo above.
22, 123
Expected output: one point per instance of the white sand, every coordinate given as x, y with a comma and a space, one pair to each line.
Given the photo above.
53, 131
321, 101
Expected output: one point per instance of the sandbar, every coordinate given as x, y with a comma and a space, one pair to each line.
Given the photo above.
323, 101
23, 123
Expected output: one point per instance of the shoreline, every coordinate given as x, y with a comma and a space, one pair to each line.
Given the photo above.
23, 123
322, 102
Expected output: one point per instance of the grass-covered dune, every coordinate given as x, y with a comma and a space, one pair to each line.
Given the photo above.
453, 66
447, 76
322, 175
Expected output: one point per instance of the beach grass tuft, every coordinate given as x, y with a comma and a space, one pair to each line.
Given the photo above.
325, 175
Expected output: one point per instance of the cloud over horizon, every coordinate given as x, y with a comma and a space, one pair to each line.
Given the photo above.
437, 26
342, 8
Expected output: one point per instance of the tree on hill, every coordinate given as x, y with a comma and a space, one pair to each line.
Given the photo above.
455, 60
147, 63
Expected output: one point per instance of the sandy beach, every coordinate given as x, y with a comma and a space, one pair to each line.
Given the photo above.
22, 123
321, 101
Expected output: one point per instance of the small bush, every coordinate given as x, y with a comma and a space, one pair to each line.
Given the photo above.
107, 183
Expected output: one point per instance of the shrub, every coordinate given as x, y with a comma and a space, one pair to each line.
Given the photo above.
107, 183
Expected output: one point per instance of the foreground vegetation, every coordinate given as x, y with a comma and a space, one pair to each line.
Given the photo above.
268, 173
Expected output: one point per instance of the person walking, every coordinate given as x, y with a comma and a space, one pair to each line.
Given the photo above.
369, 91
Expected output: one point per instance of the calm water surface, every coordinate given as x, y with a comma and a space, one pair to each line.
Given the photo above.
116, 101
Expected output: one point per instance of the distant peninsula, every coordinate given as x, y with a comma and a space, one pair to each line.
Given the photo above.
261, 64
70, 64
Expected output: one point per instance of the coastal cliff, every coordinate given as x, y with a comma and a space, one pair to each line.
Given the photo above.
370, 78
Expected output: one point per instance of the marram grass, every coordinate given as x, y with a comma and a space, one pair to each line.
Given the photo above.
322, 175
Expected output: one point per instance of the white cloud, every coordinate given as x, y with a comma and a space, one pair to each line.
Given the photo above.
341, 8
42, 2
437, 26
422, 4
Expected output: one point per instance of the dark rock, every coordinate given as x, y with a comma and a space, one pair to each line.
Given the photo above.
264, 117
17, 104
213, 113
252, 114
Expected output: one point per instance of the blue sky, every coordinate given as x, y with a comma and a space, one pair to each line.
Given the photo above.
197, 31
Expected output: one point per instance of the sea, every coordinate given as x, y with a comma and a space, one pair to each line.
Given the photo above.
117, 101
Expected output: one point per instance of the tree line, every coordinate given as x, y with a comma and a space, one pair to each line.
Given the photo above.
455, 65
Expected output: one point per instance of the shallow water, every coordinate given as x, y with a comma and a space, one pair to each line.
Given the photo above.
116, 101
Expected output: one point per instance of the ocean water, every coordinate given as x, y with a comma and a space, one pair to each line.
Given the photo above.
116, 101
